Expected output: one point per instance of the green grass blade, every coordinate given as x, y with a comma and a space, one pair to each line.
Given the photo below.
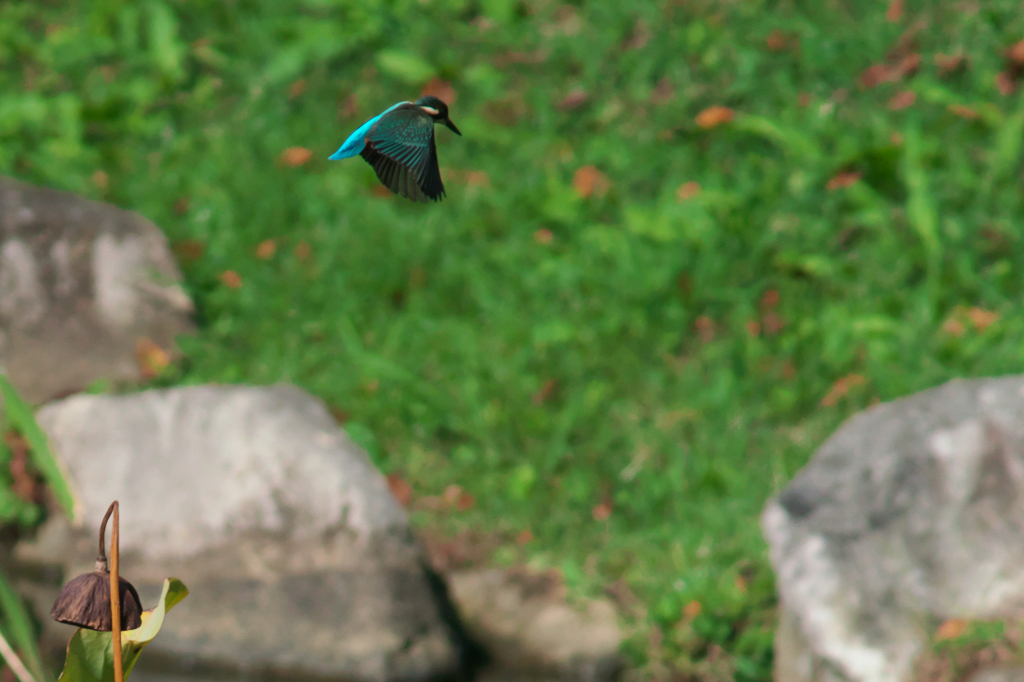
1009, 140
24, 421
921, 209
19, 626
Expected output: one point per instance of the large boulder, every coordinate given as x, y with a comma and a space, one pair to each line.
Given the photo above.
911, 513
82, 284
297, 557
527, 627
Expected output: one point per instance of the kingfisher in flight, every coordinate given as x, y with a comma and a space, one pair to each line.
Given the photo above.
399, 144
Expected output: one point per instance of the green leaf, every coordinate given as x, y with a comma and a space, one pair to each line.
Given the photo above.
20, 414
90, 654
922, 212
520, 483
1009, 140
502, 11
649, 222
788, 139
404, 66
19, 625
164, 46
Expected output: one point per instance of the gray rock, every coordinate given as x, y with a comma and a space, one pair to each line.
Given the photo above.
525, 624
81, 282
297, 557
911, 513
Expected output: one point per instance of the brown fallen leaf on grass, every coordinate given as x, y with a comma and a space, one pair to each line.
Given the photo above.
266, 249
687, 190
440, 89
588, 181
753, 328
101, 180
1005, 84
465, 502
189, 251
962, 111
902, 100
484, 24
840, 388
770, 299
1006, 81
573, 100
295, 156
705, 327
231, 279
982, 319
692, 610
714, 116
960, 318
524, 537
303, 251
400, 489
477, 179
602, 511
773, 324
895, 11
778, 42
948, 63
545, 392
950, 629
887, 73
296, 88
877, 74
954, 326
455, 496
181, 206
841, 180
1015, 53
151, 358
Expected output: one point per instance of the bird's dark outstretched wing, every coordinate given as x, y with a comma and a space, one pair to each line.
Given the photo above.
400, 147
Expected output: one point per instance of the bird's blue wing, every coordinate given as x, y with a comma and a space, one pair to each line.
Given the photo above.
354, 144
400, 147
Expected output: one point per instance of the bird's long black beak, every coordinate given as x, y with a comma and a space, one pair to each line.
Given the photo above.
451, 127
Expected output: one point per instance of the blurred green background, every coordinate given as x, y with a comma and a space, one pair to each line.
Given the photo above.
635, 316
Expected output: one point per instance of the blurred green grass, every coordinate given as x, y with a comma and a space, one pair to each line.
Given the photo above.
663, 358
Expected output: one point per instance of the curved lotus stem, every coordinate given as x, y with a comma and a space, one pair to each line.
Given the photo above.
115, 595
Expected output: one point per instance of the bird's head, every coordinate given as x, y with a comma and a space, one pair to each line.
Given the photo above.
437, 110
